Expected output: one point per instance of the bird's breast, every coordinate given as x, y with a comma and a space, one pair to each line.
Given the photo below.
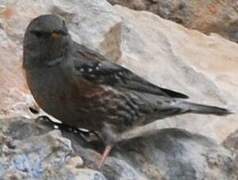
76, 103
80, 103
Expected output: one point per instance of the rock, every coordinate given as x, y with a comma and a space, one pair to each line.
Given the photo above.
105, 36
178, 154
231, 142
133, 4
89, 174
207, 16
14, 99
39, 154
78, 174
163, 52
204, 67
75, 162
166, 154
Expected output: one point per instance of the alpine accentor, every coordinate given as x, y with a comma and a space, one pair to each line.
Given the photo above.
83, 89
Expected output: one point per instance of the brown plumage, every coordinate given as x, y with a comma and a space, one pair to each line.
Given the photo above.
83, 89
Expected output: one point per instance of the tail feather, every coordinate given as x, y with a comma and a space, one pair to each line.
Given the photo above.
204, 109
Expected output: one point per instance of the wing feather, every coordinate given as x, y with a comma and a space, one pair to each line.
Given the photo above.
97, 69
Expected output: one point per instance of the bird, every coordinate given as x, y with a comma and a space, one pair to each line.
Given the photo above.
83, 89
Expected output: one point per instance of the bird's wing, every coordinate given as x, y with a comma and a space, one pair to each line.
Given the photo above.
95, 68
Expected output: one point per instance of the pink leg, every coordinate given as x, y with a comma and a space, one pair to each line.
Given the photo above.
104, 156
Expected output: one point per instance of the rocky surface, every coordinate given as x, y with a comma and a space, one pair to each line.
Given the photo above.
231, 142
30, 149
205, 67
33, 151
219, 16
163, 52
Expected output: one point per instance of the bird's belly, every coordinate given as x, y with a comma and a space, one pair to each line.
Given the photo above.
50, 92
83, 105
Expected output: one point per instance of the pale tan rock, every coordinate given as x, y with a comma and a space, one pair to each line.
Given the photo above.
75, 162
204, 67
88, 174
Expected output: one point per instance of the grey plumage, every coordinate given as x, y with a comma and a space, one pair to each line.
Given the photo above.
83, 89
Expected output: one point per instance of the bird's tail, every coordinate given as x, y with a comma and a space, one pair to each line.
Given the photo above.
204, 109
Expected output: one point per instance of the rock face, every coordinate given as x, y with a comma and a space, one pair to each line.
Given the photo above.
31, 150
207, 16
163, 52
205, 67
13, 91
231, 142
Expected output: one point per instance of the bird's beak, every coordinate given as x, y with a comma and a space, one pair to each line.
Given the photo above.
55, 35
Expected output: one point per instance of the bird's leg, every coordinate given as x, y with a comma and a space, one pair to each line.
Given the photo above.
110, 138
104, 156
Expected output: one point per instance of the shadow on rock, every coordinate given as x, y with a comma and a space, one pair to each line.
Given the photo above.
32, 149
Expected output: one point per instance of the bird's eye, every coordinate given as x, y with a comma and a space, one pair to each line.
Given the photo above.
37, 33
40, 34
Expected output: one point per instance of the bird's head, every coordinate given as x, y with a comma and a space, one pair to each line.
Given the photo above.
46, 40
